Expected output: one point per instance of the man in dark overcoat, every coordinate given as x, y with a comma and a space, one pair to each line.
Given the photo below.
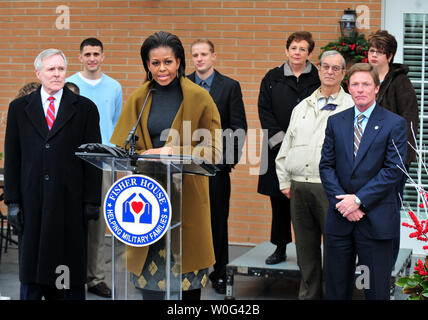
50, 192
227, 95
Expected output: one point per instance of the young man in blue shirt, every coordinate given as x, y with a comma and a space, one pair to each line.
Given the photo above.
106, 93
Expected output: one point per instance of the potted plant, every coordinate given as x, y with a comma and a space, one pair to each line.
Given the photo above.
416, 285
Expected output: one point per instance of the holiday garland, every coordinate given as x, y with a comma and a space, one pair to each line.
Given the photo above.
353, 49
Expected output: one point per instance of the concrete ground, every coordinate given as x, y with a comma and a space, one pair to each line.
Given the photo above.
244, 287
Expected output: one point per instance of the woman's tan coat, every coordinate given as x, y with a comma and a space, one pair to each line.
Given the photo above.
197, 111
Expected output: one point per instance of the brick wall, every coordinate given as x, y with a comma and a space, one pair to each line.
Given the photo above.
249, 38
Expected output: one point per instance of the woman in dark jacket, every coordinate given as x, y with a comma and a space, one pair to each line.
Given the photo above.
396, 94
281, 90
396, 91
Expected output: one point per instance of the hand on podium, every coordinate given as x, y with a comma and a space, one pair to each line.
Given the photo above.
163, 150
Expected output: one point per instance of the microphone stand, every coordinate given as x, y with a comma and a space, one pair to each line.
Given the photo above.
132, 137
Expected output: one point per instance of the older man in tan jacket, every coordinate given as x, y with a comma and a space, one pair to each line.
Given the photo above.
297, 169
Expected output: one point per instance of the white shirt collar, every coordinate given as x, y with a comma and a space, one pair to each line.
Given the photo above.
45, 101
90, 81
45, 95
322, 100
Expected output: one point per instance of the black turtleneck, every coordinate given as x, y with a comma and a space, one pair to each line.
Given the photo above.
165, 104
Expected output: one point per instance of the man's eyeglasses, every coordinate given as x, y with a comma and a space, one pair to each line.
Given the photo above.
379, 52
325, 67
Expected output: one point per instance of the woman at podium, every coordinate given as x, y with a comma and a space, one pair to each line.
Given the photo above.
170, 103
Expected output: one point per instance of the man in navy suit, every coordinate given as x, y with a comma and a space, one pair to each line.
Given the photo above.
362, 150
227, 95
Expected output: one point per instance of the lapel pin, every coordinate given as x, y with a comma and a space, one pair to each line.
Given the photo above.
376, 127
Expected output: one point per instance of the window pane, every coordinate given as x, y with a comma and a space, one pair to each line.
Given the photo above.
415, 56
413, 28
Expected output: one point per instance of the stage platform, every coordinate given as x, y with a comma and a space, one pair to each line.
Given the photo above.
252, 264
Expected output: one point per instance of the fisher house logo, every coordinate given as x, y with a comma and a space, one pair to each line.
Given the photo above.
137, 210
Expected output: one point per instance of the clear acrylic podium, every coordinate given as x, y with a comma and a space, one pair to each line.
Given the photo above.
167, 171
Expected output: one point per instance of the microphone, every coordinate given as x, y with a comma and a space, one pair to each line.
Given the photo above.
132, 137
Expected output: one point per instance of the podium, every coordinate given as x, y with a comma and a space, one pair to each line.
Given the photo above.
167, 171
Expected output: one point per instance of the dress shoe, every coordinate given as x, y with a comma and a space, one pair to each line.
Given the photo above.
101, 289
276, 258
219, 286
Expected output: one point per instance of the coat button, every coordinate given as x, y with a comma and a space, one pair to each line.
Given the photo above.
46, 177
47, 145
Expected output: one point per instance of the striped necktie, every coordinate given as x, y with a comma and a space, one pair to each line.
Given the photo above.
358, 133
204, 85
50, 114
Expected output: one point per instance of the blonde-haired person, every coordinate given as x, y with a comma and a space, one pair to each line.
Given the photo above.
73, 87
28, 88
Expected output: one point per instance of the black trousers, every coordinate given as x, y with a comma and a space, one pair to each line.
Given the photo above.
37, 292
219, 203
281, 226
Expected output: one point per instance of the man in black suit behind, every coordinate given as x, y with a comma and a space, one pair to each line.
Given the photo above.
49, 191
227, 95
